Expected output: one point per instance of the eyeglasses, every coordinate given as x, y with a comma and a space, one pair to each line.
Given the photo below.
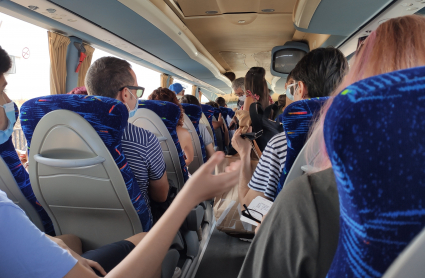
139, 90
252, 214
360, 43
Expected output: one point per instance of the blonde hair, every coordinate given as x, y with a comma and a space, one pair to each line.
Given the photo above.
395, 45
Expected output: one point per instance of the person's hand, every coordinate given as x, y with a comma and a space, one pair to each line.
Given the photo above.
89, 264
258, 226
241, 145
232, 125
203, 185
220, 119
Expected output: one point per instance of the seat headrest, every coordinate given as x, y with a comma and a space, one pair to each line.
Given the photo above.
170, 115
374, 135
230, 112
194, 112
297, 119
108, 116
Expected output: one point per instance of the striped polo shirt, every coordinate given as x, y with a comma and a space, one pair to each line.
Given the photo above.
267, 174
144, 156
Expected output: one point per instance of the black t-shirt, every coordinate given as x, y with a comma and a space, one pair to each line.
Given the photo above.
299, 236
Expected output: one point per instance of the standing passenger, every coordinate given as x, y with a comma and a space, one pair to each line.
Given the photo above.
114, 78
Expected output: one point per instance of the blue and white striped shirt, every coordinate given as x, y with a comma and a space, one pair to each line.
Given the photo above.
144, 156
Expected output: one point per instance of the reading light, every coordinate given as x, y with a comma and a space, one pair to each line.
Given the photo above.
51, 10
241, 21
33, 8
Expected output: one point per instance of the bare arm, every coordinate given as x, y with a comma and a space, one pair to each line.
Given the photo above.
210, 150
3, 119
158, 189
219, 122
147, 257
186, 144
226, 136
243, 146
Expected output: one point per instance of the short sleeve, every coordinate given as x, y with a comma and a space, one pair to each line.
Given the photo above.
205, 135
269, 169
286, 244
26, 251
154, 158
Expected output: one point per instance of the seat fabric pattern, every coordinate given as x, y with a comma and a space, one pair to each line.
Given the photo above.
11, 158
194, 112
209, 113
169, 114
374, 135
109, 118
230, 112
297, 119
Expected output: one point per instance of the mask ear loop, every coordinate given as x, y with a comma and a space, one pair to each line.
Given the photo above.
128, 107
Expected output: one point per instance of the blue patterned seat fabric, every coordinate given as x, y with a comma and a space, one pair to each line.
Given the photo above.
11, 158
374, 135
194, 112
209, 113
169, 114
109, 118
297, 119
230, 112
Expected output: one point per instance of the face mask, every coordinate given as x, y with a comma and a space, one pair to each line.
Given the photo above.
288, 91
242, 98
9, 109
131, 113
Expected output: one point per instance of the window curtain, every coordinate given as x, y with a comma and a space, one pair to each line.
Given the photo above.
166, 80
194, 89
85, 65
170, 81
58, 46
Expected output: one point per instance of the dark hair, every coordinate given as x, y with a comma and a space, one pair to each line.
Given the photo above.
289, 77
281, 100
213, 104
321, 70
190, 99
220, 101
5, 61
255, 81
165, 94
107, 75
230, 75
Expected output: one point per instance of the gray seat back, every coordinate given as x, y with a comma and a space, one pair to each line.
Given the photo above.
149, 120
205, 122
77, 181
10, 187
197, 152
411, 262
303, 164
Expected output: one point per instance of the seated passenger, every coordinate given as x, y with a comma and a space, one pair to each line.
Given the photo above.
27, 252
185, 139
178, 89
208, 141
309, 205
309, 81
114, 78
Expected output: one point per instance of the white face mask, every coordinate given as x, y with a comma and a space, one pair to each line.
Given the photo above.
290, 91
242, 98
131, 113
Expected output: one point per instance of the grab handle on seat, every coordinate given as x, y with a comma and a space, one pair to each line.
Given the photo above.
68, 163
161, 139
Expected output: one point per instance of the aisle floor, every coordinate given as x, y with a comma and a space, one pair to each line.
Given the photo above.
223, 258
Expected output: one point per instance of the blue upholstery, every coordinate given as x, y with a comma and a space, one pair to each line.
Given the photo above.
230, 112
11, 158
109, 118
374, 135
194, 112
297, 119
209, 113
169, 114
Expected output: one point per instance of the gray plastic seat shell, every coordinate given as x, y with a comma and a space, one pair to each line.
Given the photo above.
197, 151
149, 120
10, 187
205, 122
92, 201
411, 262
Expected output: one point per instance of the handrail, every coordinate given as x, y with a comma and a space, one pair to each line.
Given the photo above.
162, 138
68, 163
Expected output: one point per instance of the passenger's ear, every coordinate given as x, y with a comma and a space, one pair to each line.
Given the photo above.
124, 95
303, 90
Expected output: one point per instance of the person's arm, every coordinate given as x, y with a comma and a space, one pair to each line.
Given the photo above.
210, 150
147, 256
158, 189
226, 135
186, 144
243, 147
4, 121
219, 122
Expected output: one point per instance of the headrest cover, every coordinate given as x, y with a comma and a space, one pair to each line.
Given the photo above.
374, 135
108, 117
194, 112
170, 115
297, 120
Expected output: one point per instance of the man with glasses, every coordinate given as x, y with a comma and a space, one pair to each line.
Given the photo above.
113, 77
